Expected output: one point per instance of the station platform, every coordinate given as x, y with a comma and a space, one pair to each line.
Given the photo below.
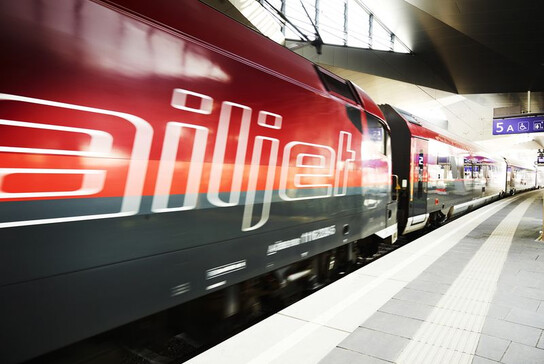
471, 291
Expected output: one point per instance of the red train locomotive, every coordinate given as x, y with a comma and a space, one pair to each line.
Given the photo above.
152, 153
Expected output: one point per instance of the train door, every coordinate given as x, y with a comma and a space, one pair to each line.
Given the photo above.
419, 178
378, 207
392, 205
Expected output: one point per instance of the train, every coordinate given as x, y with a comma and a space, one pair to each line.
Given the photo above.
154, 153
443, 175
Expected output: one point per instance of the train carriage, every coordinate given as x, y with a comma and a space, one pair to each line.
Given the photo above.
520, 177
440, 174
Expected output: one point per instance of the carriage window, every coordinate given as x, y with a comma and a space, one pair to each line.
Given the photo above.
453, 168
468, 171
444, 162
476, 172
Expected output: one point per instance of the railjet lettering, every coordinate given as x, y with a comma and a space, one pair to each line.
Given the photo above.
319, 170
304, 238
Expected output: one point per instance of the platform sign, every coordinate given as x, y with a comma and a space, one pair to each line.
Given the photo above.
519, 125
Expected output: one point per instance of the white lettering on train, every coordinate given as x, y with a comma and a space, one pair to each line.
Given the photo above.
137, 167
304, 238
316, 171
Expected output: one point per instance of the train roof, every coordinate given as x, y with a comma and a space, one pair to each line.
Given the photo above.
520, 164
191, 19
419, 127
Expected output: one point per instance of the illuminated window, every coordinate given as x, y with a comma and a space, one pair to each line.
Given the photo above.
339, 22
331, 21
358, 26
381, 38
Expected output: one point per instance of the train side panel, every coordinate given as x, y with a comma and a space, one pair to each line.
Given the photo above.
462, 178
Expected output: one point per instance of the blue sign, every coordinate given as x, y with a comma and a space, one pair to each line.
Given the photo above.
519, 125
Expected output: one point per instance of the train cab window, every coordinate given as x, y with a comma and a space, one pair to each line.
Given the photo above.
337, 85
377, 134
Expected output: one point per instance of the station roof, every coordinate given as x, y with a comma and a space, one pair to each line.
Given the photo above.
466, 46
482, 57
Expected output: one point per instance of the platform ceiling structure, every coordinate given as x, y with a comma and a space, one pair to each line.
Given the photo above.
461, 46
469, 60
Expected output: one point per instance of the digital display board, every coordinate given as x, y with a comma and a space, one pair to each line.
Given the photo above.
519, 125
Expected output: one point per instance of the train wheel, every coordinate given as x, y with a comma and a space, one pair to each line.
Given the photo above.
437, 219
368, 246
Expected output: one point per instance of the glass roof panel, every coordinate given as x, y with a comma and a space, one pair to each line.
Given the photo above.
358, 21
340, 22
